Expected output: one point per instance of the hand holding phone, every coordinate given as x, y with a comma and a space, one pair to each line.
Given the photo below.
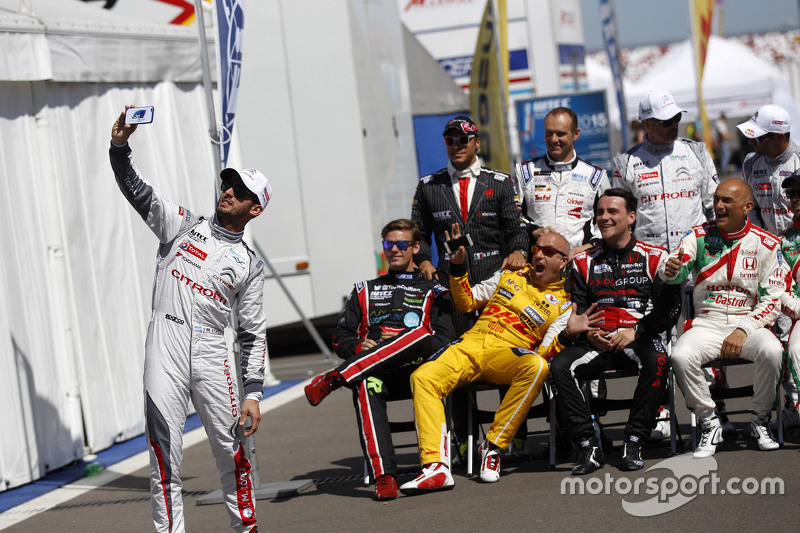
139, 115
452, 245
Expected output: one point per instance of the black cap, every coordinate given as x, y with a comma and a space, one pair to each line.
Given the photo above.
463, 124
794, 178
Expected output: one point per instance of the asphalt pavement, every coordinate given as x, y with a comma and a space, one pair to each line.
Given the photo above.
320, 444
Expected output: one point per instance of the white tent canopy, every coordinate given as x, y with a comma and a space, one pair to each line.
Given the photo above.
735, 81
77, 262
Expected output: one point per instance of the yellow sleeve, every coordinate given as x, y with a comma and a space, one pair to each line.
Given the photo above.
463, 299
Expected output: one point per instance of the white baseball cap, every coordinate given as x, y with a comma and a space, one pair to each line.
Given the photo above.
658, 104
254, 180
769, 118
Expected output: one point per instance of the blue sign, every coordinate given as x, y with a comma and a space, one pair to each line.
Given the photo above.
593, 144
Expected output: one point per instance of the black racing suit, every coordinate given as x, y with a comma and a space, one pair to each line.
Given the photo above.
625, 285
419, 312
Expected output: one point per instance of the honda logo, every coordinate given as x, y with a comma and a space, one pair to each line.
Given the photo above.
749, 263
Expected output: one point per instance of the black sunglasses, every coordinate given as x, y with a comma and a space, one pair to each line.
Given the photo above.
670, 121
240, 191
401, 245
793, 193
548, 251
461, 140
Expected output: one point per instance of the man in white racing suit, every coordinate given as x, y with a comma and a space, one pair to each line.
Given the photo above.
674, 180
739, 281
204, 270
558, 190
775, 158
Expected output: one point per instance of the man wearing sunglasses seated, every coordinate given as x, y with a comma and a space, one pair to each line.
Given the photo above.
620, 275
674, 182
388, 326
204, 271
526, 318
775, 157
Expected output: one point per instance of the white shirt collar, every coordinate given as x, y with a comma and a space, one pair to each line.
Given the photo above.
473, 171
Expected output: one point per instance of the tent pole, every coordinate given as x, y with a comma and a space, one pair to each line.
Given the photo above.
213, 130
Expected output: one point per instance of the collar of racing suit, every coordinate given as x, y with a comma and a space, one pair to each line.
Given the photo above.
404, 275
656, 149
736, 235
474, 169
619, 251
784, 157
561, 166
221, 233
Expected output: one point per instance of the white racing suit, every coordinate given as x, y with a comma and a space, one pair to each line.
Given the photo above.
203, 272
675, 185
765, 175
739, 281
561, 195
773, 213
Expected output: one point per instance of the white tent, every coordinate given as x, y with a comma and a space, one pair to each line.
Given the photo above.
77, 263
735, 81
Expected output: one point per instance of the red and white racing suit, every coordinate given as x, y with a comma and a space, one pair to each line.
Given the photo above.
203, 272
739, 281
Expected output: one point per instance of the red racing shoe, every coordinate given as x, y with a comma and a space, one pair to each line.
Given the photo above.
435, 476
385, 488
322, 385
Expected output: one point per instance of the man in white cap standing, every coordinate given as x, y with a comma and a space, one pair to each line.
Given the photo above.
203, 271
673, 179
775, 158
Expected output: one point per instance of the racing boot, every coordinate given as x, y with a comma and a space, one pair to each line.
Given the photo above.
434, 476
490, 462
590, 457
759, 430
385, 488
631, 454
322, 385
709, 438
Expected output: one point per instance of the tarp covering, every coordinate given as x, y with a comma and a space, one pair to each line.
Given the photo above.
77, 261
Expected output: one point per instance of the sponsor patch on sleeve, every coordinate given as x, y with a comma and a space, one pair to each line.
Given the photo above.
595, 180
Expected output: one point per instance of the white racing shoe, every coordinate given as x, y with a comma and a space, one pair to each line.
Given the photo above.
435, 476
490, 462
759, 430
711, 436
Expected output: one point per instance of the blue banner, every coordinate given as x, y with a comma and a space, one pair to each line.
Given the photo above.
593, 144
230, 24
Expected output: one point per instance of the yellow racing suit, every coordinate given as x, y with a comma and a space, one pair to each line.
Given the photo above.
510, 344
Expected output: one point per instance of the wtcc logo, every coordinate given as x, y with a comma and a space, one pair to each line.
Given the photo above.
671, 484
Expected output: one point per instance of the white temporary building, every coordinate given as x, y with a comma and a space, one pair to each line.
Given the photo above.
735, 81
77, 262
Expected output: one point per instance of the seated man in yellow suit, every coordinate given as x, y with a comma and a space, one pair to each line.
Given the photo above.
527, 318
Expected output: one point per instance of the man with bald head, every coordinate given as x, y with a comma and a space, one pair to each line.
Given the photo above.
526, 319
739, 281
620, 275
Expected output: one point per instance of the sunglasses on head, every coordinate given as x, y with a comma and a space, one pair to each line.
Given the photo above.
461, 140
240, 191
548, 251
401, 245
670, 121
